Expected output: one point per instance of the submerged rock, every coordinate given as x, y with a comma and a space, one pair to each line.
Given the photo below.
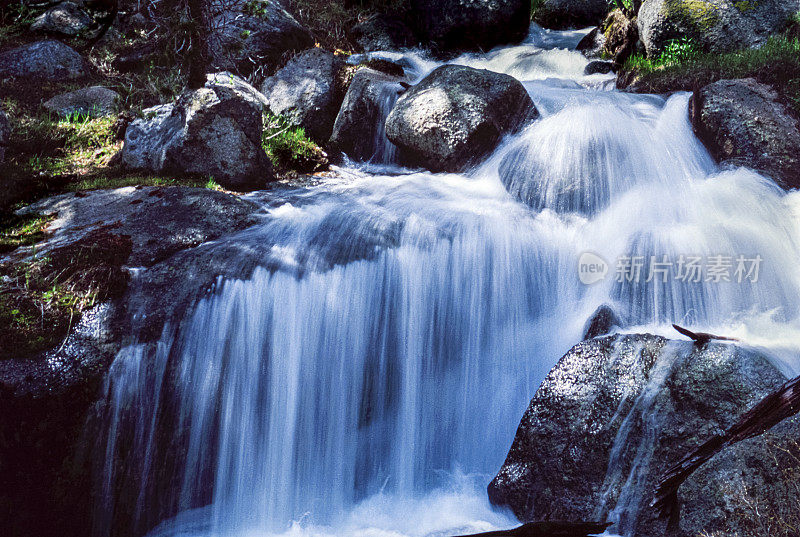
383, 32
471, 24
456, 115
95, 101
214, 132
570, 13
743, 122
43, 60
305, 92
614, 414
358, 123
254, 34
598, 67
67, 18
715, 25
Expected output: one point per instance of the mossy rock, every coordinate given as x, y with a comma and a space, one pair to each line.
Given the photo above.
715, 25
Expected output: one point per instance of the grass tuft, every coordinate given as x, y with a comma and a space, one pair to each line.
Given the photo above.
289, 148
42, 298
684, 67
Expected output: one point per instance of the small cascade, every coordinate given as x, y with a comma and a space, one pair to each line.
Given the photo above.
385, 152
367, 379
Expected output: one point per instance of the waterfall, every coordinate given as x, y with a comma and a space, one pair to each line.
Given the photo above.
369, 377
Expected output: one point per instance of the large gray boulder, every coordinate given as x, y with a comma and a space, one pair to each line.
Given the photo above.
715, 25
614, 414
457, 115
743, 122
43, 60
5, 134
571, 13
67, 18
213, 131
306, 93
359, 128
471, 24
254, 34
95, 101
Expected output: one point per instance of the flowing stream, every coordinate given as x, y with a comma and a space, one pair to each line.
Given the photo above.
369, 378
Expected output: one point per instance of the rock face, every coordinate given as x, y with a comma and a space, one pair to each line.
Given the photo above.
95, 101
45, 466
305, 92
214, 131
613, 415
760, 477
252, 34
456, 115
43, 60
5, 135
743, 122
383, 32
471, 24
362, 113
715, 25
67, 18
570, 13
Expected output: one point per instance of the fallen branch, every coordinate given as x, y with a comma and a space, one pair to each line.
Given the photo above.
549, 529
700, 338
771, 410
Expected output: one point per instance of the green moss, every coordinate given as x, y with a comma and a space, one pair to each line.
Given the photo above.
105, 181
746, 5
699, 15
289, 148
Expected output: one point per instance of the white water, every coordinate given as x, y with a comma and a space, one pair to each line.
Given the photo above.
369, 380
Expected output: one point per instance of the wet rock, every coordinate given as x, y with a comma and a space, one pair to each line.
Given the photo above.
47, 399
43, 60
613, 415
383, 32
570, 13
598, 67
212, 132
715, 25
743, 122
306, 93
95, 101
254, 34
602, 322
592, 43
456, 115
471, 24
362, 111
5, 134
159, 221
67, 18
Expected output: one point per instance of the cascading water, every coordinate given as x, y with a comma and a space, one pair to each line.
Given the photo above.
369, 378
